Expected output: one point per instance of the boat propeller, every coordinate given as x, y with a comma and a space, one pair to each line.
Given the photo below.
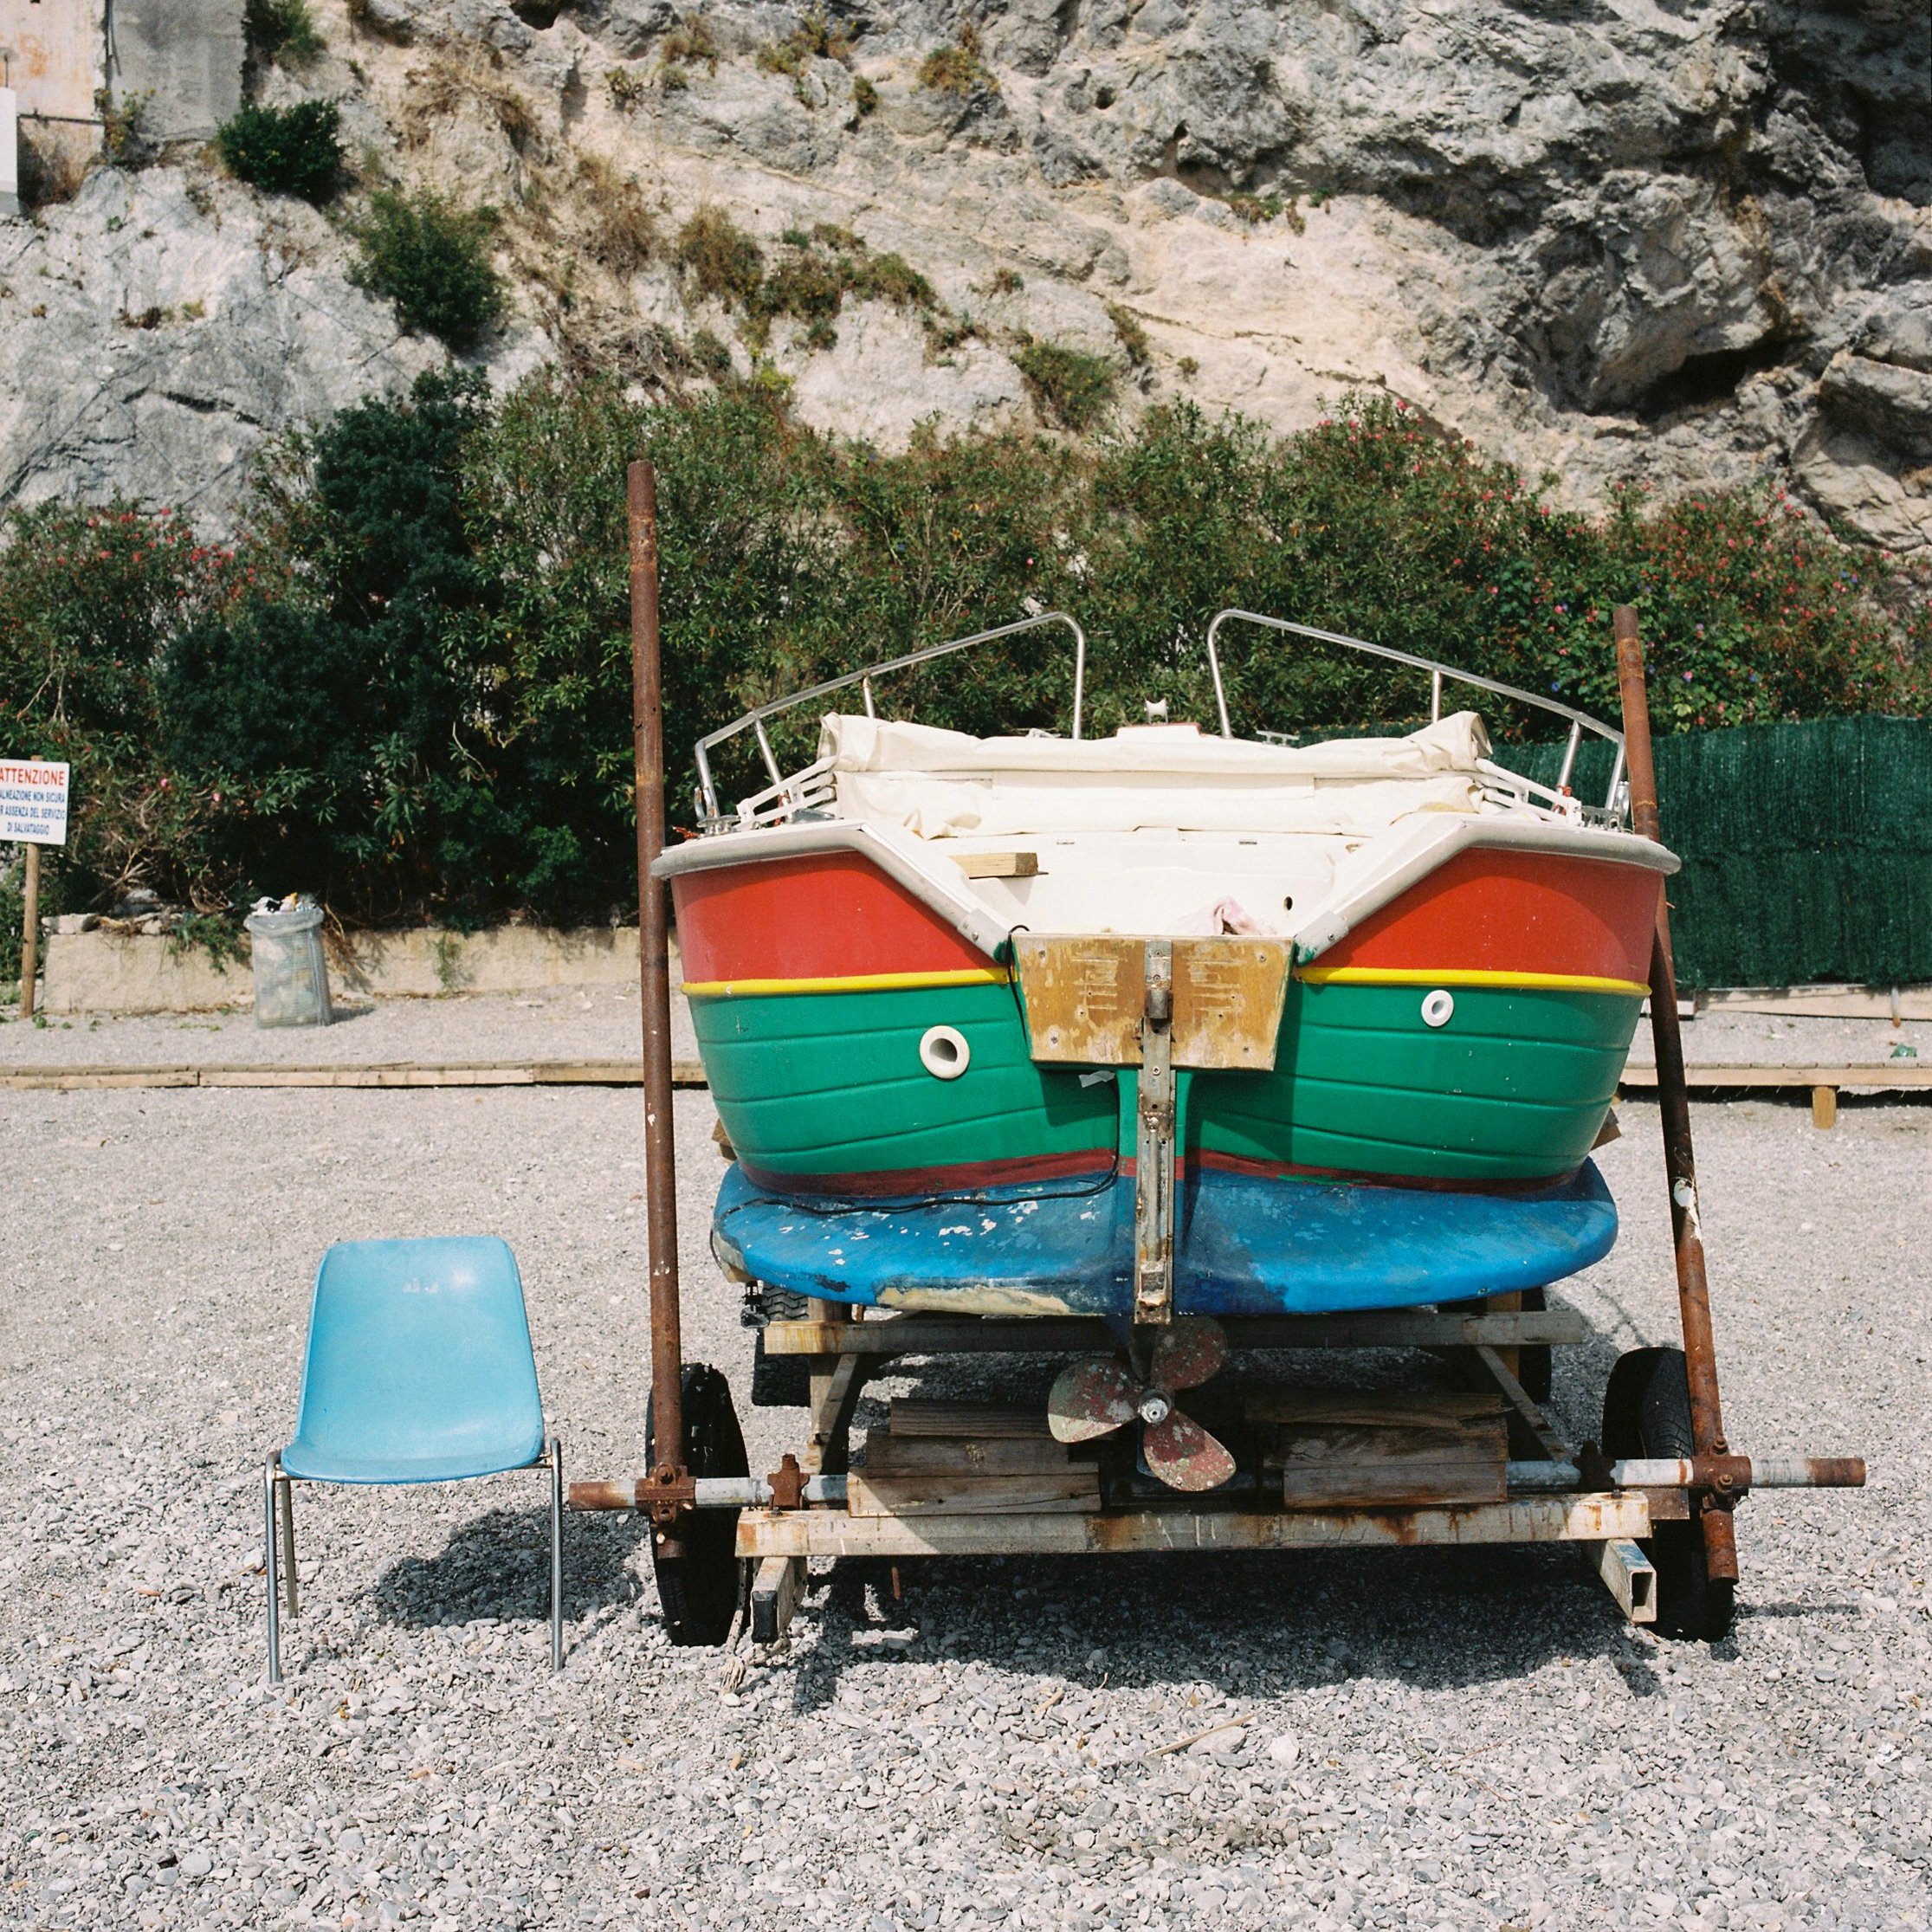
1104, 1393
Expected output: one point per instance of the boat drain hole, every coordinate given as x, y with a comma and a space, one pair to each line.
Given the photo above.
944, 1053
1438, 1006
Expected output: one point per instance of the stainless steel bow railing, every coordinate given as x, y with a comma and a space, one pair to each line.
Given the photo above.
755, 720
1581, 721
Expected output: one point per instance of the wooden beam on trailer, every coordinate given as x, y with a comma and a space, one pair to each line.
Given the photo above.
402, 1073
1533, 1418
950, 1335
775, 1589
1581, 1519
1876, 1074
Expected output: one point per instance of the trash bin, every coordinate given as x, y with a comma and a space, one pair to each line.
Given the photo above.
291, 976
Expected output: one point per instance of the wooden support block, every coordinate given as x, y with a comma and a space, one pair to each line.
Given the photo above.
942, 1334
1825, 1106
1075, 1488
999, 865
1586, 1518
1529, 1418
1377, 1449
913, 1415
775, 1592
1397, 1407
834, 1398
890, 1455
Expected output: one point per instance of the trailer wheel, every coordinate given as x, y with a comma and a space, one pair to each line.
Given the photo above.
1646, 1413
780, 1381
700, 1589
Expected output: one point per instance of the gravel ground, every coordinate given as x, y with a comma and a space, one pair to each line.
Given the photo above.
573, 1023
1417, 1740
601, 1023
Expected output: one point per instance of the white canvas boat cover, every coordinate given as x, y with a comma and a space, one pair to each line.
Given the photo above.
946, 783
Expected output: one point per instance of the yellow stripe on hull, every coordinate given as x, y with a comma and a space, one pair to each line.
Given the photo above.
1428, 976
863, 982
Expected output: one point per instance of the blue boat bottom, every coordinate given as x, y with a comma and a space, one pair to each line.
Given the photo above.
1246, 1245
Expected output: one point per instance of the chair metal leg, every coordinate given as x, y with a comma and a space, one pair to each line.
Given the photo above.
288, 1485
270, 1567
556, 1554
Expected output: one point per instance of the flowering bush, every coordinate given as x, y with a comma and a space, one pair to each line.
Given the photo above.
90, 602
409, 687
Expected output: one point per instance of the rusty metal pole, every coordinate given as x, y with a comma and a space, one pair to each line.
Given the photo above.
30, 935
646, 709
1680, 1164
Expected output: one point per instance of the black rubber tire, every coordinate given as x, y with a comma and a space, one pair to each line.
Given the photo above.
1646, 1411
779, 1381
700, 1589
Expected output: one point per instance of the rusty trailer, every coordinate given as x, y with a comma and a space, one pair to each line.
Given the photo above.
1116, 1462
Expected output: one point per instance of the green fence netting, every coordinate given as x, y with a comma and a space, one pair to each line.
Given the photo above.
1806, 849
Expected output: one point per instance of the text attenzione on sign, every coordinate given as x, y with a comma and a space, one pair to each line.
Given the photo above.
33, 802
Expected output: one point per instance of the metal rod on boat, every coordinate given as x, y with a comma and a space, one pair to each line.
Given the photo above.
771, 756
1569, 758
1214, 668
647, 706
1700, 1345
1435, 697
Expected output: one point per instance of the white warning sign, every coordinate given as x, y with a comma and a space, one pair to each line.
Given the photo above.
33, 802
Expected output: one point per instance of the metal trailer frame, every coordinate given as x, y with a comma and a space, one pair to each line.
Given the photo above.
1553, 1490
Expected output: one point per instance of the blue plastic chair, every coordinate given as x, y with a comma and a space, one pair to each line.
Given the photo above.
419, 1370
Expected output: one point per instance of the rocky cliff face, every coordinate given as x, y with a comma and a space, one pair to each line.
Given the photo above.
1682, 242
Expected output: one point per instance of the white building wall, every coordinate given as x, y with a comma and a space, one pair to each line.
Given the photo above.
52, 52
9, 151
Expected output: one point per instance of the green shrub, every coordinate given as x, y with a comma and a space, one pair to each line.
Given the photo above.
889, 278
124, 142
721, 260
808, 281
431, 259
1134, 337
813, 39
865, 96
1071, 386
331, 715
685, 45
286, 150
622, 230
958, 69
283, 30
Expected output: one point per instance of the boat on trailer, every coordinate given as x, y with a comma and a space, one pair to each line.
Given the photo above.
1169, 1022
954, 875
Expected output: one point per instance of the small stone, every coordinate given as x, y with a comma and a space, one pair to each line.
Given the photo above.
1284, 1749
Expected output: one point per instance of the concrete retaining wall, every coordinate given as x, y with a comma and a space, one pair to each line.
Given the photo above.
127, 973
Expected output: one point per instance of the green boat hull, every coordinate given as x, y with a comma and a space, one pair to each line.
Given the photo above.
826, 1092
